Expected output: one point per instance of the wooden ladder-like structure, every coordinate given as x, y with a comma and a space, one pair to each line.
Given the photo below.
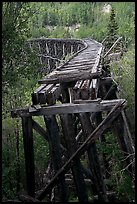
79, 103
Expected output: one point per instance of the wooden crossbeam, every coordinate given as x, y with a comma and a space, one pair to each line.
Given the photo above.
67, 76
66, 108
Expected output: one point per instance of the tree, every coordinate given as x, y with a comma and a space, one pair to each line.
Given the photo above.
112, 29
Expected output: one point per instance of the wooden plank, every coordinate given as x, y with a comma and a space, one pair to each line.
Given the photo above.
91, 138
67, 76
76, 66
72, 62
67, 108
81, 63
80, 101
85, 89
40, 88
76, 90
55, 151
47, 88
95, 69
78, 84
42, 94
39, 129
67, 122
29, 154
76, 60
53, 94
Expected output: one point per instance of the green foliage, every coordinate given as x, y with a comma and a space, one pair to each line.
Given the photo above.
126, 69
58, 32
112, 25
119, 180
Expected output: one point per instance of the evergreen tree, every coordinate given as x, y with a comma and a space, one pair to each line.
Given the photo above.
112, 29
112, 25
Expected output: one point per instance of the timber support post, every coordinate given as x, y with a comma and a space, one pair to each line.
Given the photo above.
67, 121
29, 154
55, 151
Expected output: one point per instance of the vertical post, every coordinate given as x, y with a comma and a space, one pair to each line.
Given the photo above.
65, 94
29, 154
99, 186
67, 122
54, 145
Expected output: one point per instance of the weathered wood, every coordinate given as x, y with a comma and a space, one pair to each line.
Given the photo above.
76, 90
112, 46
29, 154
99, 186
85, 89
65, 94
39, 129
80, 101
67, 108
67, 76
53, 94
80, 64
73, 61
71, 181
40, 88
27, 198
77, 68
55, 151
67, 122
92, 137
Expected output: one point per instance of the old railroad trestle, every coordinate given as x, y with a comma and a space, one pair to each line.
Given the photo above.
83, 95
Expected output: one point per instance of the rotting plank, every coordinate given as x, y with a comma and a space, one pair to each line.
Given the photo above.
67, 76
77, 66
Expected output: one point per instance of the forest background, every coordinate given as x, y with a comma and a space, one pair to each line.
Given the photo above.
22, 21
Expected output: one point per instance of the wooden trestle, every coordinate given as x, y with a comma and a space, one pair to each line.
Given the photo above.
78, 92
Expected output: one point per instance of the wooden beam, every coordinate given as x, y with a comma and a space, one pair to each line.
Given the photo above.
80, 64
67, 76
55, 151
39, 129
67, 108
84, 90
29, 154
98, 186
67, 122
